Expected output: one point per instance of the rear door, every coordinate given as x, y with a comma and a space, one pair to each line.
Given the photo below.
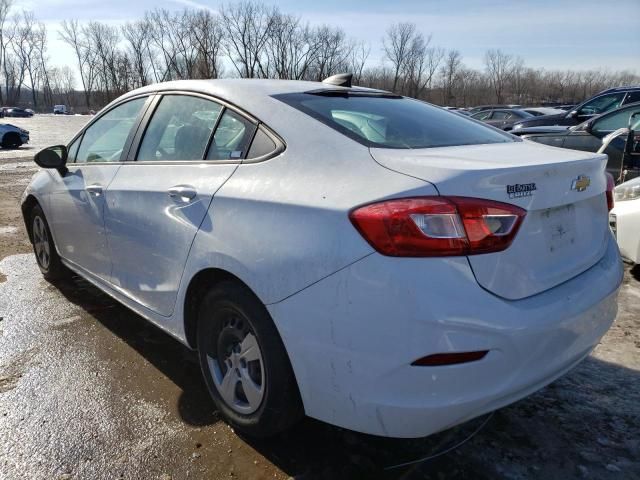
156, 204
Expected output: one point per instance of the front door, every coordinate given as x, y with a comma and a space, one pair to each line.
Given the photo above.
155, 205
77, 200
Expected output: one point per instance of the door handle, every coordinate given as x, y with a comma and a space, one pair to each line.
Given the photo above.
183, 193
95, 189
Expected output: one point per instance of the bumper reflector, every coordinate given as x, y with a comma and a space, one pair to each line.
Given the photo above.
441, 359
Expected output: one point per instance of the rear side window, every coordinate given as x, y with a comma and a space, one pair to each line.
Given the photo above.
262, 145
393, 122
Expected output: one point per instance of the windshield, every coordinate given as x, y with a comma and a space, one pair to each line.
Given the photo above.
388, 121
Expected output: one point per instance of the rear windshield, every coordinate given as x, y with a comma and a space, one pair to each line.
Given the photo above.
387, 121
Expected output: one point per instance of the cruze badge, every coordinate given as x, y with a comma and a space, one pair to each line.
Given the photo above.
581, 183
521, 190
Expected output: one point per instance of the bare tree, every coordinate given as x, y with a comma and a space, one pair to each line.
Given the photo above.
450, 72
137, 36
499, 68
248, 26
396, 46
206, 35
76, 38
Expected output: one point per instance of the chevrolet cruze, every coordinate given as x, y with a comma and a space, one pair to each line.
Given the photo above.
368, 260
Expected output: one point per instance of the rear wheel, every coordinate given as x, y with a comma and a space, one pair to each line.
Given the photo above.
244, 363
46, 255
11, 140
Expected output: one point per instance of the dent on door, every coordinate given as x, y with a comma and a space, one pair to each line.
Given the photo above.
152, 215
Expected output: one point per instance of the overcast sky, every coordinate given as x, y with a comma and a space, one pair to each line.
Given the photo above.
551, 34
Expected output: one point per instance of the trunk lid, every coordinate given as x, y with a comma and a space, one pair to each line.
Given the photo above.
566, 228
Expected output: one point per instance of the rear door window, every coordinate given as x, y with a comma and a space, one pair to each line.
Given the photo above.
232, 137
500, 116
180, 129
389, 121
482, 115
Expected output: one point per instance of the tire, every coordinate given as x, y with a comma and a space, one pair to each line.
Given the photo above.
261, 398
43, 247
11, 140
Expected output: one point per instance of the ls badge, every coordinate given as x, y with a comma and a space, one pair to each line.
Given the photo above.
581, 183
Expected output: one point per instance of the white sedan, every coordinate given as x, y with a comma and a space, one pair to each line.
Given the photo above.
625, 219
366, 259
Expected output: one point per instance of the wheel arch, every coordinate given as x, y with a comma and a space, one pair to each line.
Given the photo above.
199, 285
27, 206
10, 134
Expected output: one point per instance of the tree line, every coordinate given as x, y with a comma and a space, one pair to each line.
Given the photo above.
255, 40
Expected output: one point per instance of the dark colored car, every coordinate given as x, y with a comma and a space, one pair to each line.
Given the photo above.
588, 137
17, 112
502, 118
600, 103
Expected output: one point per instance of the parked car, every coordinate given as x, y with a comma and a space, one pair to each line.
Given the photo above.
588, 137
601, 103
539, 111
370, 260
17, 112
12, 136
60, 109
502, 118
625, 219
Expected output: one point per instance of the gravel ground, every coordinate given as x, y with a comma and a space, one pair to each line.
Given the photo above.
89, 390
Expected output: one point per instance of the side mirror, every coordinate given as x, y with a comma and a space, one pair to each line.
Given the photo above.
573, 114
588, 126
53, 157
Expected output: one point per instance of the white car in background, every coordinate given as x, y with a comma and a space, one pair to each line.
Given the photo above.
370, 260
12, 136
625, 219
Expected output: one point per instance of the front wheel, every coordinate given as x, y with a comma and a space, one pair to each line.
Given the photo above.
244, 362
46, 255
11, 140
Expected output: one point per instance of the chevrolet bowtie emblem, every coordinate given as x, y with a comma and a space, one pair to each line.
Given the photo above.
581, 183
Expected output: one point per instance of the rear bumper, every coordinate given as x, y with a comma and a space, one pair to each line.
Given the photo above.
625, 221
352, 337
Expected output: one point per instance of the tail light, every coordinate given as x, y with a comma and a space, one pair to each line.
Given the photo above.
438, 226
611, 184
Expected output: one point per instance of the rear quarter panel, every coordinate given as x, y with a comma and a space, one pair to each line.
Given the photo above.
283, 224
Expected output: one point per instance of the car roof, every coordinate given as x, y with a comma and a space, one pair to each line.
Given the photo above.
619, 89
255, 96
